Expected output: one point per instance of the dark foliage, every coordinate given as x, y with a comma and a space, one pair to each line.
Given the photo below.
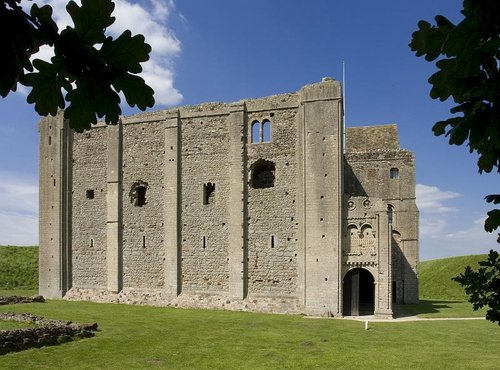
483, 286
88, 66
468, 62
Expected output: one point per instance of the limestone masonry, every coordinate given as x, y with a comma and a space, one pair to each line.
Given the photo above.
255, 205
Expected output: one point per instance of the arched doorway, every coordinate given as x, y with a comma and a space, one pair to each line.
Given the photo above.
359, 293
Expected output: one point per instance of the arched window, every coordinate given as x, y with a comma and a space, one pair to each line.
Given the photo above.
394, 173
255, 132
266, 131
262, 174
390, 213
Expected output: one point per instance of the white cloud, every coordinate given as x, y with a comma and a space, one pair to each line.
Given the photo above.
431, 199
447, 230
18, 210
148, 18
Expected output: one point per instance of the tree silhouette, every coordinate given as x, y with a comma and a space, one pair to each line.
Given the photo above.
468, 65
88, 69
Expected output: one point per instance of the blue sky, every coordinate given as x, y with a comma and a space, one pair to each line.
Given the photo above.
227, 50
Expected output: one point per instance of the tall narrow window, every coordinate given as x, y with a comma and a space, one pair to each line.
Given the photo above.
266, 131
390, 213
394, 173
255, 132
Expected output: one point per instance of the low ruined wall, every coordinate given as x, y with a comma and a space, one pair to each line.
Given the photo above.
46, 332
14, 299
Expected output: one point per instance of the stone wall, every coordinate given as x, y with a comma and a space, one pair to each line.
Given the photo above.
205, 160
89, 204
45, 332
142, 244
272, 212
165, 207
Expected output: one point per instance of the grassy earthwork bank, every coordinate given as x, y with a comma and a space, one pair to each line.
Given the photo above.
140, 337
18, 268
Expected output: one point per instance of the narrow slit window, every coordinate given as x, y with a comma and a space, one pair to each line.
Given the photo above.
204, 242
272, 241
144, 241
266, 131
390, 214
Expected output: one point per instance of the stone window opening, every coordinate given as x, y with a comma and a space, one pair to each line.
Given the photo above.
208, 193
89, 194
390, 213
272, 241
266, 131
255, 132
91, 242
204, 242
263, 174
144, 241
261, 132
138, 193
394, 173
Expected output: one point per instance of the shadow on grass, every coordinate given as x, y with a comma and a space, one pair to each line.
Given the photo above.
437, 308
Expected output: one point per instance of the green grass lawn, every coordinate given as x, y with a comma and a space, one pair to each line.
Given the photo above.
138, 337
18, 267
142, 337
435, 277
9, 325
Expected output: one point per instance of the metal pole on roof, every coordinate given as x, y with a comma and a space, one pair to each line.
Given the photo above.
343, 106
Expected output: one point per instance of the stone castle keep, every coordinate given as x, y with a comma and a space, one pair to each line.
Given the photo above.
255, 205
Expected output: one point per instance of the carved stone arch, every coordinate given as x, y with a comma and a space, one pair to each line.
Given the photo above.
358, 291
352, 240
367, 239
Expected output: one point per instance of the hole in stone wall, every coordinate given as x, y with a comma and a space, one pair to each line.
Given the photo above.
144, 241
208, 193
272, 241
263, 174
89, 194
204, 242
91, 242
50, 140
54, 182
137, 193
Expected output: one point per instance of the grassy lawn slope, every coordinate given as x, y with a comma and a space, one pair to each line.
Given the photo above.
18, 267
435, 277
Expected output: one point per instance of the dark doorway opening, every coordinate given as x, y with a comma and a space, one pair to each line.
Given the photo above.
359, 293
